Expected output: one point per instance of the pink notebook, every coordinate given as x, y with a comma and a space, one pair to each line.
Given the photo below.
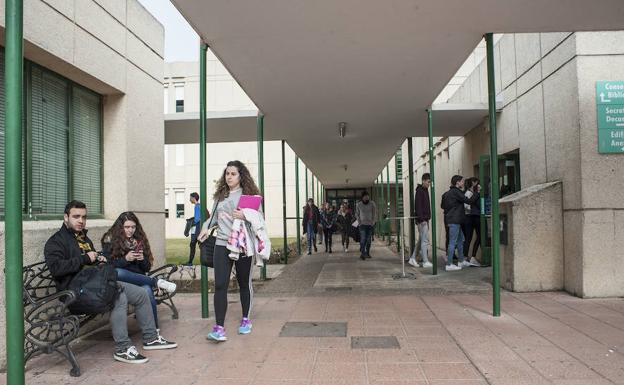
250, 202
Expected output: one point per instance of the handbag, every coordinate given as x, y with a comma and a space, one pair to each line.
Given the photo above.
206, 248
95, 288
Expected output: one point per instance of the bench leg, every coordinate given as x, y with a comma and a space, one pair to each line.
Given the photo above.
75, 370
169, 303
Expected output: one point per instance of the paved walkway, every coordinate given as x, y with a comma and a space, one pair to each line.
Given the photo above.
444, 339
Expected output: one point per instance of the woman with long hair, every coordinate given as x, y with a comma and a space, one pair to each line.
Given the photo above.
127, 246
328, 219
345, 219
234, 182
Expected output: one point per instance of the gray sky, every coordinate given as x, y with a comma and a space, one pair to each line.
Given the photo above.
181, 42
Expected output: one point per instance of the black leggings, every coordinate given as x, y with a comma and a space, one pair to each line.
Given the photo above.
328, 237
222, 270
472, 225
345, 238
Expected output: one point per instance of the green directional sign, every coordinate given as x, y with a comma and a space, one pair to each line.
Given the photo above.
610, 116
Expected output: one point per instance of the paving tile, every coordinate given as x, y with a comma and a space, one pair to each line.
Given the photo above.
290, 355
442, 353
339, 371
450, 371
339, 355
392, 356
399, 382
394, 371
285, 371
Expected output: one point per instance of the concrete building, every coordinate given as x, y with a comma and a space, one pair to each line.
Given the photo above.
547, 125
94, 122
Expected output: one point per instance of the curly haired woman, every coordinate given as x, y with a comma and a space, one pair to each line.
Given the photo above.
126, 245
234, 182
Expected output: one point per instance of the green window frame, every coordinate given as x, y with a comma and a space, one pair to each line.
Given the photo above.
62, 145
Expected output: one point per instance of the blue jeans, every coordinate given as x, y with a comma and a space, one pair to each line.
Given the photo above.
366, 232
456, 240
310, 233
147, 283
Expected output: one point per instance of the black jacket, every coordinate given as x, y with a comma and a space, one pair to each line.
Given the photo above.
139, 267
422, 209
64, 257
453, 205
316, 217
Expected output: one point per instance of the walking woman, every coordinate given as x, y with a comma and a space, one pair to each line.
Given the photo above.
235, 181
328, 219
126, 245
345, 219
311, 219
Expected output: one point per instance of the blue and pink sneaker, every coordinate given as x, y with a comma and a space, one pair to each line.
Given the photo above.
217, 334
245, 326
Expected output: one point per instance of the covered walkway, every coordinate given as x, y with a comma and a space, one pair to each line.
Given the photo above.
545, 338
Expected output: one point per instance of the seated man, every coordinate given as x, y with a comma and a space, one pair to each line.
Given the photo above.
68, 251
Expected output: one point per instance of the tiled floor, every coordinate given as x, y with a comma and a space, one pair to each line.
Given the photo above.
449, 339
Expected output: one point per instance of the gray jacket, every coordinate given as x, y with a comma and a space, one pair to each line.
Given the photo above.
366, 214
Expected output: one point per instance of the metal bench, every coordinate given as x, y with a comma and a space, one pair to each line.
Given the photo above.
48, 325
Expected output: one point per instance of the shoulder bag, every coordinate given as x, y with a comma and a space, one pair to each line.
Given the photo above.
206, 248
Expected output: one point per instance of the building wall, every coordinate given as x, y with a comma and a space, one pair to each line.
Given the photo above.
114, 48
546, 82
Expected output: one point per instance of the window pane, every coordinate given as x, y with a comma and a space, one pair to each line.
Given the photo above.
180, 210
86, 144
49, 123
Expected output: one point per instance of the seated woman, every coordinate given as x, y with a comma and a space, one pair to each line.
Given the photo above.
126, 245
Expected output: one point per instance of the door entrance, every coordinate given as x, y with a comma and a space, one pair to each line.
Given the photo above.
509, 183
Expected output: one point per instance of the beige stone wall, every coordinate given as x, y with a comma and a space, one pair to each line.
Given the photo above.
546, 83
115, 48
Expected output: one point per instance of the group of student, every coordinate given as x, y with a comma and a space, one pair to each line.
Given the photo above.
125, 245
326, 221
461, 206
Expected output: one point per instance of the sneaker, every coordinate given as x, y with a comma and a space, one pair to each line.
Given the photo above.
217, 334
245, 326
346, 249
474, 262
464, 264
315, 249
413, 262
362, 257
452, 268
159, 343
309, 253
427, 264
368, 256
130, 356
167, 286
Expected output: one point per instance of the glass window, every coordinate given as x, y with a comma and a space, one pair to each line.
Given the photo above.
179, 196
166, 100
166, 204
179, 94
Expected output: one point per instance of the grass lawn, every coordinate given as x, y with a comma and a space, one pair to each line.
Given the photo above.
177, 249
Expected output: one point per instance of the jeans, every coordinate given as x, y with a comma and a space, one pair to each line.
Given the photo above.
310, 234
147, 283
422, 246
456, 240
366, 232
136, 296
472, 225
222, 270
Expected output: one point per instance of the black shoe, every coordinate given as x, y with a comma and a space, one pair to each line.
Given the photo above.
326, 249
368, 256
362, 257
130, 356
330, 251
309, 253
315, 249
159, 343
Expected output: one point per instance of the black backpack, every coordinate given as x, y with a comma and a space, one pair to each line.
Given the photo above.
95, 288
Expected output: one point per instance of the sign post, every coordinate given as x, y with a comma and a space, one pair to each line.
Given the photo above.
610, 116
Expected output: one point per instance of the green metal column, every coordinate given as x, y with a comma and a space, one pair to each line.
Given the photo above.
312, 186
260, 140
203, 47
297, 208
396, 201
382, 206
387, 208
412, 226
489, 41
13, 64
434, 240
284, 201
307, 196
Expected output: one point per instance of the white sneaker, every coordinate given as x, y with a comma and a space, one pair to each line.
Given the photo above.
474, 262
413, 262
167, 286
464, 264
427, 264
452, 268
346, 249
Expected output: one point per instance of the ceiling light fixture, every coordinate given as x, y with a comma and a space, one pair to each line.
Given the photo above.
342, 129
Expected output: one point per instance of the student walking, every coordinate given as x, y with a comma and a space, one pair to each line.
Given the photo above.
345, 219
234, 182
365, 214
453, 205
422, 212
311, 219
328, 220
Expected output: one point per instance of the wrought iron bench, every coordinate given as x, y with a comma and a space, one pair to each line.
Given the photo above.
48, 325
